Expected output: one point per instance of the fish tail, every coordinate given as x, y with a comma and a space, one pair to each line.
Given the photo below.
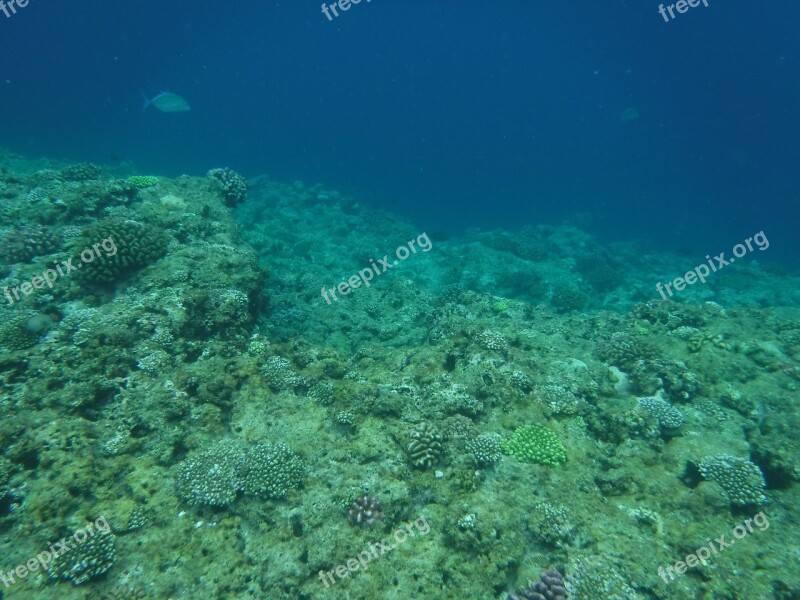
146, 101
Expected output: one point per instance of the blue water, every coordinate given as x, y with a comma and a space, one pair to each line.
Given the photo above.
456, 115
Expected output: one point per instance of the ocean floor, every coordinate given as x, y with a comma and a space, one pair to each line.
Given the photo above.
214, 388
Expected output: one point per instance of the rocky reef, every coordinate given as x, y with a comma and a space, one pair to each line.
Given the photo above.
241, 435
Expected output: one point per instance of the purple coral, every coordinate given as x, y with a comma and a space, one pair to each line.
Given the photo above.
549, 587
365, 510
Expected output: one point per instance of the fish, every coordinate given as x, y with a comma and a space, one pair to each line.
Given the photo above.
629, 114
166, 102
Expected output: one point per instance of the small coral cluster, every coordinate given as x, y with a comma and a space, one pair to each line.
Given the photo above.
593, 579
23, 330
625, 350
81, 172
137, 245
28, 242
233, 185
742, 481
425, 447
485, 449
668, 416
549, 587
279, 373
85, 560
567, 299
216, 476
535, 444
142, 181
365, 510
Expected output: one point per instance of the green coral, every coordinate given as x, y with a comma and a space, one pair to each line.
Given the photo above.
501, 306
535, 444
143, 181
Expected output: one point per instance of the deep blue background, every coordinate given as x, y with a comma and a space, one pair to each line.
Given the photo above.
456, 114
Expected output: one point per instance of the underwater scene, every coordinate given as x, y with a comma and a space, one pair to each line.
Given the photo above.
399, 300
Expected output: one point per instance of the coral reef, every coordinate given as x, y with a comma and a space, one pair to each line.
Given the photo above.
81, 172
23, 330
271, 471
590, 579
566, 298
161, 400
625, 350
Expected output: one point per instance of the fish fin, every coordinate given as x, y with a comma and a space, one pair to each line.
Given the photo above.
146, 101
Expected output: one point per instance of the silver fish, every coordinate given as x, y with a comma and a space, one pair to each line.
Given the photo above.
166, 102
